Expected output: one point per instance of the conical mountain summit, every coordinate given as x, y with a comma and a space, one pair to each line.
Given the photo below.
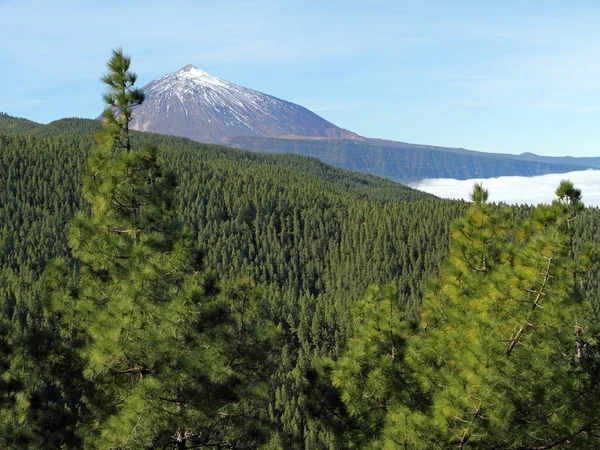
197, 105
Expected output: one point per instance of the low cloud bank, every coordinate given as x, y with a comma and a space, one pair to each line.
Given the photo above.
517, 190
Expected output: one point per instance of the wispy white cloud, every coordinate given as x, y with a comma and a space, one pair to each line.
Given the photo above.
22, 104
224, 32
538, 59
517, 190
467, 103
566, 106
333, 106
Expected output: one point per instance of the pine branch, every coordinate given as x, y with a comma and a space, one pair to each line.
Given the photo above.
565, 439
484, 269
464, 439
140, 370
535, 304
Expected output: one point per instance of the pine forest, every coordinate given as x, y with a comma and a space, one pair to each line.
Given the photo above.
157, 292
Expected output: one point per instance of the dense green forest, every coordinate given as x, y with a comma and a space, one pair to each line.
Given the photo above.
161, 293
311, 236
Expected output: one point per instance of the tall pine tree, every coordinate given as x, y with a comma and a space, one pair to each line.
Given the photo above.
159, 347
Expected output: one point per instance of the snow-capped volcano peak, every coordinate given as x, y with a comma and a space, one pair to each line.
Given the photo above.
195, 104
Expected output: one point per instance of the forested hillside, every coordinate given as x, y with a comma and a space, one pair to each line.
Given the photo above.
161, 293
313, 236
11, 125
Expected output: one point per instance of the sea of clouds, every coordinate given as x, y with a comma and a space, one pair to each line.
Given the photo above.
517, 190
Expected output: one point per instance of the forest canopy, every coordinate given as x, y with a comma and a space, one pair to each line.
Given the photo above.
161, 293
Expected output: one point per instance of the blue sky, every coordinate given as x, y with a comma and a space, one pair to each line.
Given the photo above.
508, 76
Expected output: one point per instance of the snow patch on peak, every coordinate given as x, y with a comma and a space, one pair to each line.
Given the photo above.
191, 73
187, 68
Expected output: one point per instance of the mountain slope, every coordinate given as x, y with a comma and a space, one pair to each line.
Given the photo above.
590, 161
407, 162
398, 161
194, 104
528, 156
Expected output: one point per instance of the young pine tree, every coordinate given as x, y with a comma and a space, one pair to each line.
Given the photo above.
368, 380
502, 363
